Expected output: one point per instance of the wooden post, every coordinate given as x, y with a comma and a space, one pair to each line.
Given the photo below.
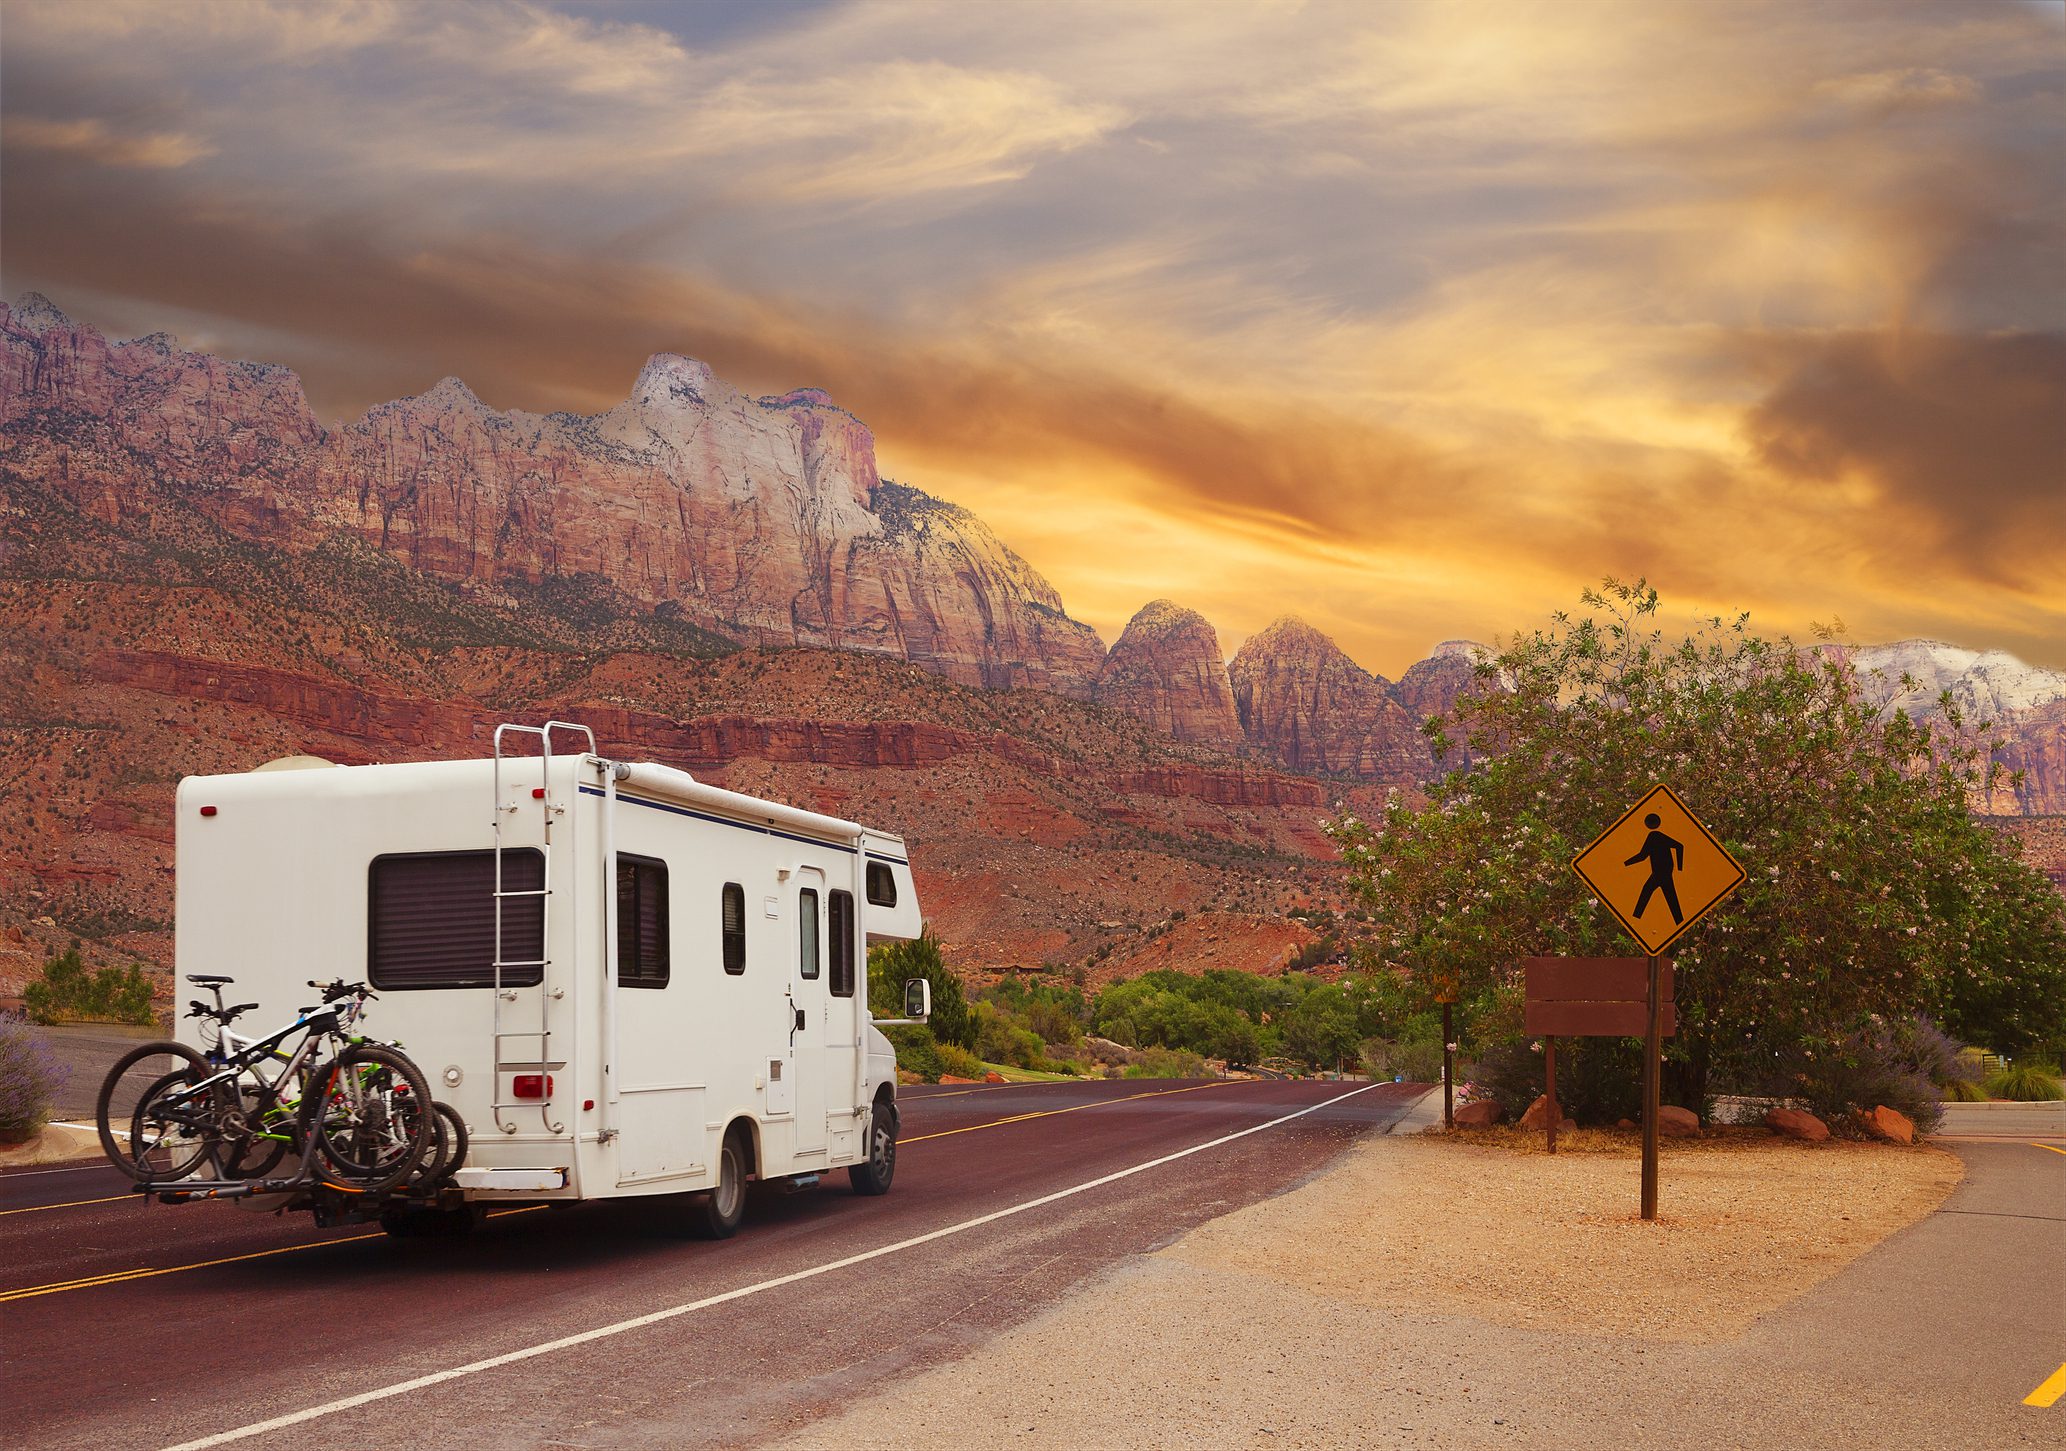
1448, 1070
1651, 1042
1549, 1063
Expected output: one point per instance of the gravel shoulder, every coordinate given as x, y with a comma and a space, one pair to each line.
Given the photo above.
1424, 1293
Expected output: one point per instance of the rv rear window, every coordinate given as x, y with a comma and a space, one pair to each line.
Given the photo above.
882, 885
842, 944
641, 921
430, 920
735, 928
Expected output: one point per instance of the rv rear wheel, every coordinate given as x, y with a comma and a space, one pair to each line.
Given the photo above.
873, 1177
717, 1214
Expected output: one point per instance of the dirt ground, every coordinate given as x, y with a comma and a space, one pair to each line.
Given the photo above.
1430, 1293
1536, 1241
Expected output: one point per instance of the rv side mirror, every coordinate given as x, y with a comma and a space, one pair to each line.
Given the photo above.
918, 998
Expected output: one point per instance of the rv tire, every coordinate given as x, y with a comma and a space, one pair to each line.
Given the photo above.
718, 1213
873, 1175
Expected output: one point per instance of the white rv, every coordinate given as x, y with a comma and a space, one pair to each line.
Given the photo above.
671, 999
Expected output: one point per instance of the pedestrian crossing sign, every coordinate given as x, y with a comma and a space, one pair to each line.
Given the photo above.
1658, 869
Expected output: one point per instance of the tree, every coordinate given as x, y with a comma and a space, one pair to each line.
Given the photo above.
1872, 891
892, 964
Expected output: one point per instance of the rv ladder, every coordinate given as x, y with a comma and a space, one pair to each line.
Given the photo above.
505, 1062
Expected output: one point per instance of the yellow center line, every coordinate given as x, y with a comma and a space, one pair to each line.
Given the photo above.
146, 1272
2054, 1386
2053, 1147
1019, 1118
74, 1204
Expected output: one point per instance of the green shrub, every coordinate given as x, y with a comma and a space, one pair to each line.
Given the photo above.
892, 964
70, 992
1878, 1063
958, 1061
1419, 1061
1166, 1063
2026, 1083
30, 1078
917, 1051
1962, 1090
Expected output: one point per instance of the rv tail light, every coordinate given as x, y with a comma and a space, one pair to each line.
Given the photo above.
207, 810
532, 1085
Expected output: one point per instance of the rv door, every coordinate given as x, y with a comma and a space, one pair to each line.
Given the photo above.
806, 1005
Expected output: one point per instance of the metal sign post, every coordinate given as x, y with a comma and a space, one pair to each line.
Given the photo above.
1448, 1068
1659, 871
1653, 1039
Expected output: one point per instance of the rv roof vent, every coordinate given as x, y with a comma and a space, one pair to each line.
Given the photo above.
293, 763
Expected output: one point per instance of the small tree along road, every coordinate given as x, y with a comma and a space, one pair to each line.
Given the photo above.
1874, 895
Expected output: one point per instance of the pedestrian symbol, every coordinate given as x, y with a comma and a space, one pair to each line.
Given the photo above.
1665, 856
1658, 869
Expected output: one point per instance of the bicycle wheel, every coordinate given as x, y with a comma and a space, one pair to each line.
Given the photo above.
452, 1146
173, 1131
134, 1073
423, 1178
367, 1114
258, 1134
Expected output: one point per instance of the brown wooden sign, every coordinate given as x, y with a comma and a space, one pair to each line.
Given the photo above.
1595, 997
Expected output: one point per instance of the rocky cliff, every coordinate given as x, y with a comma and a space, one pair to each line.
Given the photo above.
762, 519
1313, 708
1167, 669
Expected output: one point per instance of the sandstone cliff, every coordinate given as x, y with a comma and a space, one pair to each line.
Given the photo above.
1167, 669
1313, 708
760, 518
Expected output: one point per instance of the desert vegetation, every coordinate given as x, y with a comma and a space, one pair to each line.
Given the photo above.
1879, 923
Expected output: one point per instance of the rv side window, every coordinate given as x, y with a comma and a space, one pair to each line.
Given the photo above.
842, 944
430, 919
808, 959
882, 885
641, 921
735, 928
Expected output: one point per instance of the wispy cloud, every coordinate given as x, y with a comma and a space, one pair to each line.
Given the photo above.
96, 143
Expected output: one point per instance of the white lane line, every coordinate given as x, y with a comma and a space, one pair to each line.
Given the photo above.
32, 1173
639, 1322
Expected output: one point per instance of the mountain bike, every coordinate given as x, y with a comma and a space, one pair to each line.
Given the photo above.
363, 1115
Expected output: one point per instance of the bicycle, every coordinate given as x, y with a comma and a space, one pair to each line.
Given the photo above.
365, 1114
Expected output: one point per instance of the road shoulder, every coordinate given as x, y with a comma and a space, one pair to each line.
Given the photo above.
1247, 1332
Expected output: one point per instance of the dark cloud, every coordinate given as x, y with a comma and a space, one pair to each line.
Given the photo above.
1966, 434
532, 330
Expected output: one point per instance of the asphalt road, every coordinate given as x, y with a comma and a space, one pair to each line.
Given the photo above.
132, 1325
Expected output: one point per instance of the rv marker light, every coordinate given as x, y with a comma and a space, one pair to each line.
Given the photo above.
531, 1085
207, 810
537, 793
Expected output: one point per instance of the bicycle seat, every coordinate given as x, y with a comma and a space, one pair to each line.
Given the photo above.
206, 979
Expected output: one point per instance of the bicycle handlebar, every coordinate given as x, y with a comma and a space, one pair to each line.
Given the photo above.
339, 988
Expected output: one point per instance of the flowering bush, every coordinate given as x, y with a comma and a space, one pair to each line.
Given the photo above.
30, 1079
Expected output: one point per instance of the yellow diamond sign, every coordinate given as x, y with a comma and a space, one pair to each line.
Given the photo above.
1658, 869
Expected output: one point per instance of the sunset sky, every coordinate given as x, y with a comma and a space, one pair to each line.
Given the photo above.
1411, 319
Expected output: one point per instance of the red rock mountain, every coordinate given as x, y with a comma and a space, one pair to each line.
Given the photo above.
761, 519
1313, 708
1167, 670
196, 575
